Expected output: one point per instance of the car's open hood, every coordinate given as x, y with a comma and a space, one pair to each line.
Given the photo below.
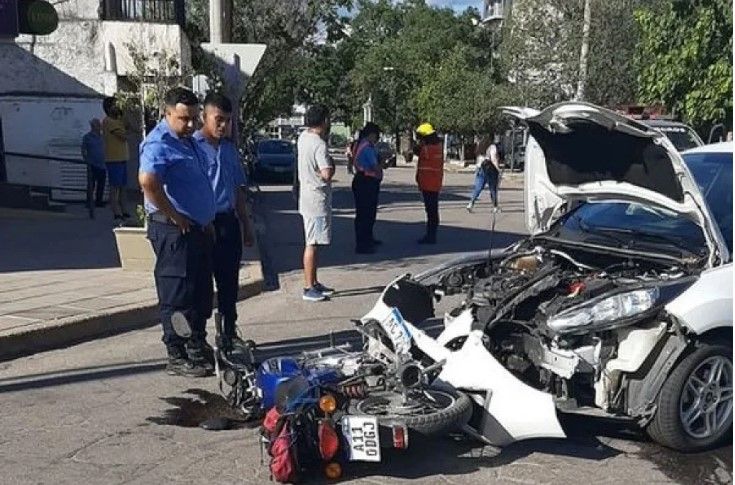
581, 152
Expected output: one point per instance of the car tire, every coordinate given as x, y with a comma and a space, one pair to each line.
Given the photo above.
668, 427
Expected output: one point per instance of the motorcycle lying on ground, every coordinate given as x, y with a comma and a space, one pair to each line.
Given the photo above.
370, 399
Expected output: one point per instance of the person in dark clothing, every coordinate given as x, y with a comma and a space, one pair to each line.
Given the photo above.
429, 176
180, 208
366, 188
231, 222
93, 153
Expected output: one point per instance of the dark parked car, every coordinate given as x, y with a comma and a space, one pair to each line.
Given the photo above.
275, 159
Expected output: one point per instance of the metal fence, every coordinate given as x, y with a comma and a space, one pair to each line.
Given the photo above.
88, 189
154, 11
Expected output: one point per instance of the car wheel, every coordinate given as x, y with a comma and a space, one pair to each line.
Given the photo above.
694, 408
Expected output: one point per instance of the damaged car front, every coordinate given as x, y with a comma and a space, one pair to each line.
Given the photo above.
620, 302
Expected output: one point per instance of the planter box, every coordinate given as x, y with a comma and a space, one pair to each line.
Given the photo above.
136, 253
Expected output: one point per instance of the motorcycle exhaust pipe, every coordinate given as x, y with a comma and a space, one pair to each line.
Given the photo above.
410, 375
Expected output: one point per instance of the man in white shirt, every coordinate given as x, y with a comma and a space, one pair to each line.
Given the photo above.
315, 172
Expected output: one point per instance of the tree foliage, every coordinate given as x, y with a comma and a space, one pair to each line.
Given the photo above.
685, 59
541, 47
287, 28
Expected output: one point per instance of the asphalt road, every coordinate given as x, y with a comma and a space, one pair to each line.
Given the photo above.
104, 412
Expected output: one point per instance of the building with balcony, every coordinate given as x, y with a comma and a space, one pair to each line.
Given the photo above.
53, 85
495, 11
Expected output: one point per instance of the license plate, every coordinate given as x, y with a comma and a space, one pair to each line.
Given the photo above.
397, 332
363, 440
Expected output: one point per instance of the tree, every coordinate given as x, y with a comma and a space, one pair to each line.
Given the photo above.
286, 28
151, 77
461, 99
685, 59
540, 50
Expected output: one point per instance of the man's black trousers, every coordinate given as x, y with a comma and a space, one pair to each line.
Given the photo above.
365, 190
97, 181
431, 205
227, 254
183, 275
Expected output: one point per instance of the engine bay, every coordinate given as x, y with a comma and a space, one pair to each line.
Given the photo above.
519, 299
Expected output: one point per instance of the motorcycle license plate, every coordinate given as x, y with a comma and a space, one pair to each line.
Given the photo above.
363, 439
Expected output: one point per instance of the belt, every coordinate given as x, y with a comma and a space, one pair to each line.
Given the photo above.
161, 218
227, 213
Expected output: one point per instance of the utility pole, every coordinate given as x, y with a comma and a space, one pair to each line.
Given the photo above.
583, 54
220, 21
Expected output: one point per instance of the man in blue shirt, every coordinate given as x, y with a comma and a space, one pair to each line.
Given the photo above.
366, 188
93, 154
180, 208
231, 223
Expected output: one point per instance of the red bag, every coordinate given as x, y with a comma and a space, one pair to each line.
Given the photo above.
278, 430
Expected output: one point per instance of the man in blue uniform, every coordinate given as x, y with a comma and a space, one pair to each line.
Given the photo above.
180, 208
231, 223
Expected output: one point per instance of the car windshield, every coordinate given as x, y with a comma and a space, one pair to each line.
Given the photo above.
713, 173
278, 147
632, 226
683, 138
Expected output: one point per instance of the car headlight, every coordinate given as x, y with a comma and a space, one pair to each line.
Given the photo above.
621, 306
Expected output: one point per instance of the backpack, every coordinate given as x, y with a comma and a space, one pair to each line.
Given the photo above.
280, 441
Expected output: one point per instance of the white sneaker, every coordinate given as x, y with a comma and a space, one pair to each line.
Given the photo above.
470, 206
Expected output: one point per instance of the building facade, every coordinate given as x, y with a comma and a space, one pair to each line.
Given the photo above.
53, 85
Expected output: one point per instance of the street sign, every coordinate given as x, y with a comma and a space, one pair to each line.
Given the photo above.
37, 17
236, 62
8, 19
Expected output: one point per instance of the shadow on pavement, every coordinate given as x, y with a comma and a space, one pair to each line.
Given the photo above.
82, 374
285, 239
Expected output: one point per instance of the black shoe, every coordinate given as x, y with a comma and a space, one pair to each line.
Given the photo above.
377, 242
119, 217
126, 215
427, 240
365, 250
201, 353
178, 366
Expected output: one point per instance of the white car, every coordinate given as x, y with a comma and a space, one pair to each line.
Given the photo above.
618, 304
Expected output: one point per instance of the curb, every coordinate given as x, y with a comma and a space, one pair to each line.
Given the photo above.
68, 331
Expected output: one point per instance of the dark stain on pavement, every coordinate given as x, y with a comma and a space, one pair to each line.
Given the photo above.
196, 408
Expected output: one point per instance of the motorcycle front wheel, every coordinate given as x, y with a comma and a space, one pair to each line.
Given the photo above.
426, 411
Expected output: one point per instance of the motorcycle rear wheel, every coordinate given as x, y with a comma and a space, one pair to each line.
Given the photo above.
427, 411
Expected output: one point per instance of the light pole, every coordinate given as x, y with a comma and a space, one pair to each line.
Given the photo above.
394, 120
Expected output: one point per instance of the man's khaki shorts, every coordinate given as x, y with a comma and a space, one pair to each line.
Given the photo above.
318, 230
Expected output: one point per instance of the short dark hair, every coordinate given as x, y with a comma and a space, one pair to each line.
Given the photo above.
316, 115
218, 101
108, 105
180, 95
369, 129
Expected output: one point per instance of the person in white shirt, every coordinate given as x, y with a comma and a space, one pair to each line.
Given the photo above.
487, 173
315, 171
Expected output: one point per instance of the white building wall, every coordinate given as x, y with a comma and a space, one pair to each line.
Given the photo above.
150, 37
50, 86
47, 126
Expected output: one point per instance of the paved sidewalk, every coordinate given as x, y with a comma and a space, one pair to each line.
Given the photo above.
49, 308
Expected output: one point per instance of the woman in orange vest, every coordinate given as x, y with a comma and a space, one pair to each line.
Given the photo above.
429, 176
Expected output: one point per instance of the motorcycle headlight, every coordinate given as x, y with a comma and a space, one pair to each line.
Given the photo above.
621, 306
